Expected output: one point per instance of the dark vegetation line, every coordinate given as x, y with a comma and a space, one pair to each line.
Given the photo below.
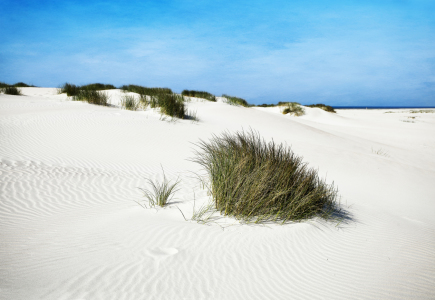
199, 94
13, 89
170, 103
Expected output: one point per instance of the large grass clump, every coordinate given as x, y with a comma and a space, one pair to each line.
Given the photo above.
257, 181
324, 107
199, 94
171, 105
11, 90
92, 97
70, 89
293, 108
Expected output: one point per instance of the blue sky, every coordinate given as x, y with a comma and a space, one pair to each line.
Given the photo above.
332, 52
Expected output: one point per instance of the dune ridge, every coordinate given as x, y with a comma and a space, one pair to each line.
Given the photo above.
71, 226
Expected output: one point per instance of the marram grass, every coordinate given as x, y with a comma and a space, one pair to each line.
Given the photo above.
129, 102
161, 192
293, 108
11, 90
255, 181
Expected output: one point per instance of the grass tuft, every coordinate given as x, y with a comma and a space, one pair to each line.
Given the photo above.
235, 100
172, 105
161, 193
293, 108
92, 97
70, 89
11, 90
129, 102
257, 181
381, 152
323, 106
199, 94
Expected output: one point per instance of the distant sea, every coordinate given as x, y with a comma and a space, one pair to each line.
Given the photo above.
381, 107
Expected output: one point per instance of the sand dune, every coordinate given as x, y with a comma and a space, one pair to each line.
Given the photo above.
71, 227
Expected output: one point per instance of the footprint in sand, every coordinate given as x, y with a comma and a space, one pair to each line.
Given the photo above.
161, 253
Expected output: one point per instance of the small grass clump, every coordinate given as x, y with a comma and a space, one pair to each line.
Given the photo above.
293, 108
323, 106
199, 94
257, 181
92, 97
129, 102
161, 193
235, 100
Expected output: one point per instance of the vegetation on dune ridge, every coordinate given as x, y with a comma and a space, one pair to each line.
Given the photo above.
142, 90
18, 84
98, 86
323, 106
319, 105
12, 89
273, 105
257, 181
91, 96
199, 94
169, 103
235, 100
293, 108
69, 89
129, 102
74, 90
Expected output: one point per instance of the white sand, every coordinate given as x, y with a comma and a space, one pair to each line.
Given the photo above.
70, 227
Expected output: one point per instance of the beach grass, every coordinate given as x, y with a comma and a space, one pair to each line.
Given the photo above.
70, 89
129, 102
161, 192
255, 181
11, 90
142, 90
172, 105
235, 101
199, 94
293, 108
323, 106
92, 97
98, 86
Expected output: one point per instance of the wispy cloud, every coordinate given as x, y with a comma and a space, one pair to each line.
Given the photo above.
353, 53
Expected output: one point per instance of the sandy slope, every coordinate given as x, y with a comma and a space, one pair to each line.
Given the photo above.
70, 227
